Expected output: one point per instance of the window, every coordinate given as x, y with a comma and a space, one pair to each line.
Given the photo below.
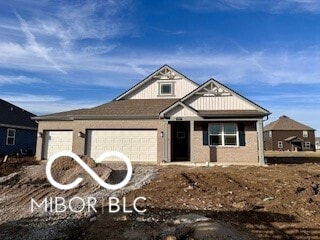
305, 133
166, 89
11, 136
270, 134
307, 145
280, 144
223, 134
181, 135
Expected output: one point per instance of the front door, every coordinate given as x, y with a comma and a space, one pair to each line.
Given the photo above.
180, 141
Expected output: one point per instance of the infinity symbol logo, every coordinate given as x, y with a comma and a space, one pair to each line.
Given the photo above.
101, 158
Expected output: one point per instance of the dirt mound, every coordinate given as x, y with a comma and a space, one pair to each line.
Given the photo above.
66, 170
66, 163
14, 164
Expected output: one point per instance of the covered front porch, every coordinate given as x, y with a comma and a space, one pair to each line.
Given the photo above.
218, 141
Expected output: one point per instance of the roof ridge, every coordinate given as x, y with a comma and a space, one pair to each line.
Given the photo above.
286, 123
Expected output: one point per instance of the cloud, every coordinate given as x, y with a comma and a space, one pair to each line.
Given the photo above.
10, 80
271, 6
97, 50
29, 98
312, 6
221, 5
33, 46
89, 20
45, 104
122, 69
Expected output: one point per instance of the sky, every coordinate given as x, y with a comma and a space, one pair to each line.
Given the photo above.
63, 55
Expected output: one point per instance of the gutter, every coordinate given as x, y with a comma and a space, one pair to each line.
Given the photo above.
17, 126
92, 117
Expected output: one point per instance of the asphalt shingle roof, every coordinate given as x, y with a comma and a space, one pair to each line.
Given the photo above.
132, 107
13, 115
286, 123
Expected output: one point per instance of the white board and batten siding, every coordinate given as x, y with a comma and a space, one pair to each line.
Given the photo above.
180, 111
56, 141
219, 103
137, 145
151, 90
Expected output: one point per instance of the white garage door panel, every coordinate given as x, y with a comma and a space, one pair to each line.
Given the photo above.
55, 141
137, 145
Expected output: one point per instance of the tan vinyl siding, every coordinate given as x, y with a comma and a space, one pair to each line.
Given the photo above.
219, 103
151, 90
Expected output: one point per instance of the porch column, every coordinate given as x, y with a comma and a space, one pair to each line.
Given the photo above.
191, 140
165, 142
260, 142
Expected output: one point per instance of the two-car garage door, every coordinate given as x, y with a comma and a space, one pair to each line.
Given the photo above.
137, 145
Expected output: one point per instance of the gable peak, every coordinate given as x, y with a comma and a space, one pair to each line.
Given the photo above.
167, 73
211, 89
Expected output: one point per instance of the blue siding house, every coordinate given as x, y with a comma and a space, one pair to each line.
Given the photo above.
18, 133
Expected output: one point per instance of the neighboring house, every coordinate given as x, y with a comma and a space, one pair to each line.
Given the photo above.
317, 143
18, 133
286, 134
164, 118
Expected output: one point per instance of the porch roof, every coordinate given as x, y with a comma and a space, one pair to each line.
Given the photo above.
230, 113
294, 139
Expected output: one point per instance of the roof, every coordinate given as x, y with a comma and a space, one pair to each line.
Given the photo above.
12, 115
294, 139
149, 78
286, 123
132, 108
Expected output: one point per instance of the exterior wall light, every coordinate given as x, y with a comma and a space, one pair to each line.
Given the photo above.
40, 134
81, 134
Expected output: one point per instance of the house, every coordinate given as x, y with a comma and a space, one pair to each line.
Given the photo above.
164, 118
18, 133
286, 134
317, 143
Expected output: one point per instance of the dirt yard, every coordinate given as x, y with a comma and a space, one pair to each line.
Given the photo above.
235, 202
14, 164
273, 202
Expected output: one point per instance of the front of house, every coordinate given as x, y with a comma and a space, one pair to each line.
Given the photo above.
164, 118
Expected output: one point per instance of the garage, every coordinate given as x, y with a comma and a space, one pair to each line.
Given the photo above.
137, 145
55, 141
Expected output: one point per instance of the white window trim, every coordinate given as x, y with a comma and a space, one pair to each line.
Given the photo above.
280, 143
166, 94
14, 137
270, 134
305, 134
223, 134
309, 145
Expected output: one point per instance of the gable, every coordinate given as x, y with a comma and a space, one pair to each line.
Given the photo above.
213, 96
180, 111
150, 88
212, 99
